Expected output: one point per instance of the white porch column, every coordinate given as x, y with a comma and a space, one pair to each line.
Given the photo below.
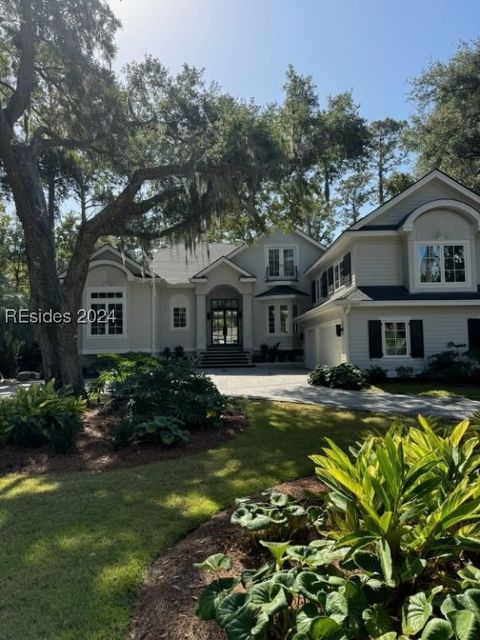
247, 321
201, 322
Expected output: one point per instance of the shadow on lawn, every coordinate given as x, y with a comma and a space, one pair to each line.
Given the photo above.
75, 547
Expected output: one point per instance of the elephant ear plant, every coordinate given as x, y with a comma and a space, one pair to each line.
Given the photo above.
393, 555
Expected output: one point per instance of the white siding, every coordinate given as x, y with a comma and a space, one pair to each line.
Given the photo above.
378, 262
440, 325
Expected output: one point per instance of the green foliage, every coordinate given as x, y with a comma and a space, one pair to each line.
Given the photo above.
320, 376
347, 376
343, 376
277, 516
451, 364
41, 414
158, 397
405, 373
444, 131
396, 552
375, 374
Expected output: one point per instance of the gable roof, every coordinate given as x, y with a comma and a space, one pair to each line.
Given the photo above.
217, 263
366, 224
436, 174
177, 264
281, 290
298, 232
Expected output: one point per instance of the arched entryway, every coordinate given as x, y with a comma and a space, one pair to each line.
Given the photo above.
224, 317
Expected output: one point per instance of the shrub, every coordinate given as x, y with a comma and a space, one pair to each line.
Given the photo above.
396, 558
159, 430
320, 376
450, 364
167, 352
405, 373
278, 515
179, 351
375, 374
144, 388
41, 414
347, 376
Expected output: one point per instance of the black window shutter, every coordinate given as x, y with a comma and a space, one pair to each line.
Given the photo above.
324, 285
474, 334
347, 268
330, 280
314, 298
375, 338
417, 349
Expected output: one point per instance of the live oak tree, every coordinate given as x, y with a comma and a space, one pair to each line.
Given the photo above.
445, 130
156, 154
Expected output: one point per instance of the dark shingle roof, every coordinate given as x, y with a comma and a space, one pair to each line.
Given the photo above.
281, 290
177, 264
398, 293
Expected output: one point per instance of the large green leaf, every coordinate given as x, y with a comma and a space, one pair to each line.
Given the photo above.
212, 596
377, 621
415, 613
277, 549
385, 555
215, 563
464, 625
308, 585
228, 608
247, 624
323, 628
437, 629
270, 596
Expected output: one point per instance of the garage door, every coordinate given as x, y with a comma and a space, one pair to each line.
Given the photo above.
309, 349
329, 346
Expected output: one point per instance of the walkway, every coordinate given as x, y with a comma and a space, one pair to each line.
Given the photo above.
292, 386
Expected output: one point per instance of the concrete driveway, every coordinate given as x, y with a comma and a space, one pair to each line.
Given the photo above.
292, 386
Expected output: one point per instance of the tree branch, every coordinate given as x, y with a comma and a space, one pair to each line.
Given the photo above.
20, 99
39, 143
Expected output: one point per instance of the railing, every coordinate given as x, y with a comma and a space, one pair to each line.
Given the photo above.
290, 274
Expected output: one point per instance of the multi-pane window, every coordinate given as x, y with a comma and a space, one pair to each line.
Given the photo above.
281, 263
441, 263
284, 328
271, 319
395, 338
179, 317
107, 313
338, 275
280, 318
294, 315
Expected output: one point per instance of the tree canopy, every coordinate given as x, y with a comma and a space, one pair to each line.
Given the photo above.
445, 130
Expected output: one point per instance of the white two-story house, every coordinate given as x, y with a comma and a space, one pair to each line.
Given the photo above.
401, 283
391, 290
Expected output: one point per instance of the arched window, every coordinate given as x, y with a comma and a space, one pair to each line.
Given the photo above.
179, 312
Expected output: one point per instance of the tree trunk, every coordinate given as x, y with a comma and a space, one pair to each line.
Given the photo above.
57, 339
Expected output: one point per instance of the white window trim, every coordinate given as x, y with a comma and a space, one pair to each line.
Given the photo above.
407, 337
180, 301
280, 248
444, 285
290, 327
103, 289
341, 286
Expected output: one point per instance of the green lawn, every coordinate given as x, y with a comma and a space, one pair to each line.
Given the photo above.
74, 547
431, 389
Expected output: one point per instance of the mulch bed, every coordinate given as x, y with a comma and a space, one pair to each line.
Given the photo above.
166, 605
94, 450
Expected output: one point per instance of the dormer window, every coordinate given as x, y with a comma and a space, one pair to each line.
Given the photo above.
442, 262
281, 263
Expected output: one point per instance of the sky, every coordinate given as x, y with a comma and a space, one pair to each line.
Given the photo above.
372, 47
